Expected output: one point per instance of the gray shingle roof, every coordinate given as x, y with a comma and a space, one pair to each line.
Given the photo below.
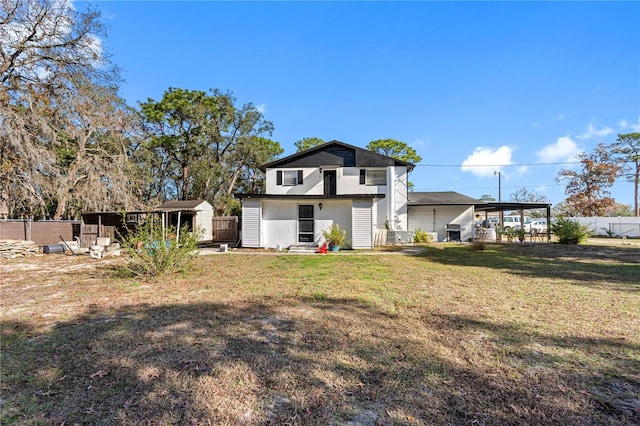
440, 198
337, 153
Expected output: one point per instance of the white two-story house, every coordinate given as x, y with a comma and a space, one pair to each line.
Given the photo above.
360, 190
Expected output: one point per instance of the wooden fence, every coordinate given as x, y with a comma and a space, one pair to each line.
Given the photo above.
40, 232
90, 233
225, 229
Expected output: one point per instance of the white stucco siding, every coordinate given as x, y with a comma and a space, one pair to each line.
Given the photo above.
334, 211
435, 218
251, 223
400, 197
379, 212
280, 219
362, 235
312, 182
347, 181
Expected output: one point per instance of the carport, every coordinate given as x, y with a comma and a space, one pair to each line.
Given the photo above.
503, 206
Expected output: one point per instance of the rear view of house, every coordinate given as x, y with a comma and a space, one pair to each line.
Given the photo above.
359, 190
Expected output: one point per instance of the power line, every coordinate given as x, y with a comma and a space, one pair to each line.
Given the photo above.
487, 187
506, 165
499, 165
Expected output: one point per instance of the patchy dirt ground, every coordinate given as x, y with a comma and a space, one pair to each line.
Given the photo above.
541, 334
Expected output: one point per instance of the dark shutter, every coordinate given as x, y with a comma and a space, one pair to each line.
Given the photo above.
363, 176
279, 177
299, 177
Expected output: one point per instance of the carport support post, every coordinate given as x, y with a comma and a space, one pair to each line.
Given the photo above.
522, 218
178, 228
164, 232
473, 226
548, 223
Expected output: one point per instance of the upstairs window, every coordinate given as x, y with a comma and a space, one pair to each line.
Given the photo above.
289, 177
373, 177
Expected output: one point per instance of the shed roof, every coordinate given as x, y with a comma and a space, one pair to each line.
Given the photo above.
185, 205
443, 198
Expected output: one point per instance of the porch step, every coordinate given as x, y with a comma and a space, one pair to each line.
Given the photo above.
302, 248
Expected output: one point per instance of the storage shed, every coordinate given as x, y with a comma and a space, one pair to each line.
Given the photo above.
195, 214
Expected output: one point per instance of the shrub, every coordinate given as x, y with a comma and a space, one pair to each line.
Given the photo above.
570, 231
477, 245
420, 237
154, 252
334, 235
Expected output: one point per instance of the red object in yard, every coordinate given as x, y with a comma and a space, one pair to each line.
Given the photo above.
322, 248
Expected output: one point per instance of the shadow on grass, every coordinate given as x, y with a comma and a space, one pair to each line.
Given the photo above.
586, 265
301, 361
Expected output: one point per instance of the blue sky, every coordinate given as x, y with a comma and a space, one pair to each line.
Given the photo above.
508, 85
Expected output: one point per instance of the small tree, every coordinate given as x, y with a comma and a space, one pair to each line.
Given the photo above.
570, 231
587, 189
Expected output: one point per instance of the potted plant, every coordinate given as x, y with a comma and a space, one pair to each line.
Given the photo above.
521, 233
334, 236
509, 232
499, 232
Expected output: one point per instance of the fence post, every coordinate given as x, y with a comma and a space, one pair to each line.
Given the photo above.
27, 229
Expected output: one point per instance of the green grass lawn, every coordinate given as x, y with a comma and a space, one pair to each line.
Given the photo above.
542, 334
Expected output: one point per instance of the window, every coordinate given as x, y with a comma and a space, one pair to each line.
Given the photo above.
289, 177
373, 177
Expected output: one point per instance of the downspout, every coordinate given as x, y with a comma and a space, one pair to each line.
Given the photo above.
434, 221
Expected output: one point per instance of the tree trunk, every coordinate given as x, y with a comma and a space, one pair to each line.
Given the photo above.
61, 208
635, 192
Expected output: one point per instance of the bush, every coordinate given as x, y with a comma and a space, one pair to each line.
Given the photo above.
154, 252
421, 237
477, 245
570, 231
334, 235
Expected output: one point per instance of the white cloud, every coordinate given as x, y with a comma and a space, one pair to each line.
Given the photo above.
591, 132
485, 161
624, 125
262, 108
565, 149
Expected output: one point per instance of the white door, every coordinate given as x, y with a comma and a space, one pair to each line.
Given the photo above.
251, 217
362, 224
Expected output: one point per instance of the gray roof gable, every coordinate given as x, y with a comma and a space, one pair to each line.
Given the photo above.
440, 199
336, 153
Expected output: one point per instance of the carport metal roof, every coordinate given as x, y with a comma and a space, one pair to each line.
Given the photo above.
501, 206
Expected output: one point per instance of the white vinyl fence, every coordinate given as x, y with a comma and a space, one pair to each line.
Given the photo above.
612, 226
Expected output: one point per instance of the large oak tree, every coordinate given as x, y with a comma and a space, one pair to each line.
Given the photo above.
63, 144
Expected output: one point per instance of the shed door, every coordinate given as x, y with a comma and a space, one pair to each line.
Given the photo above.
362, 224
251, 215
